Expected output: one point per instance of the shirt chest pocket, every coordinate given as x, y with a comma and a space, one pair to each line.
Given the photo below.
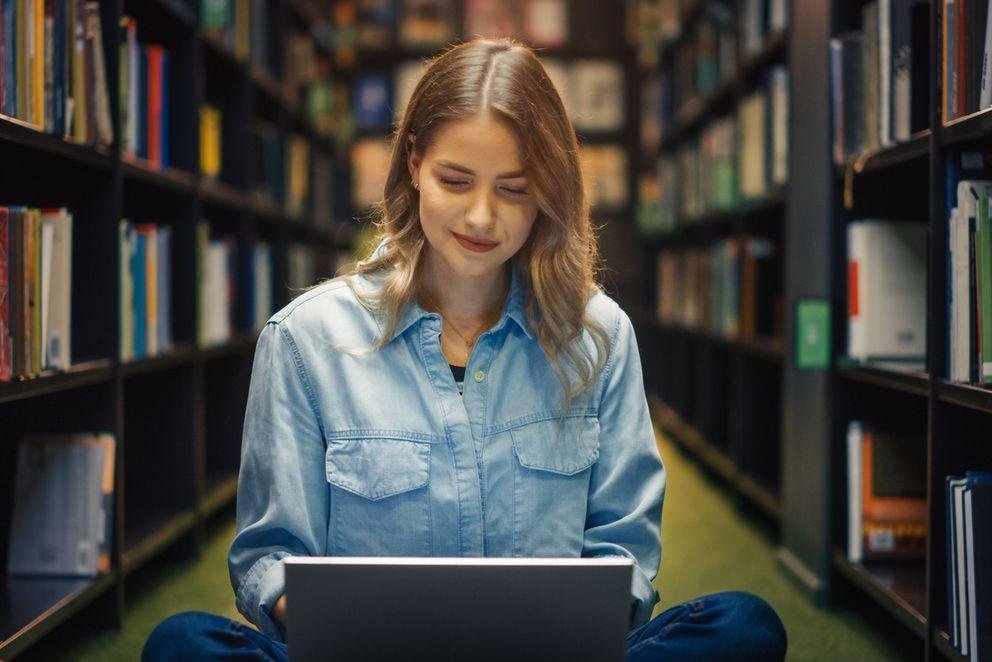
554, 460
380, 497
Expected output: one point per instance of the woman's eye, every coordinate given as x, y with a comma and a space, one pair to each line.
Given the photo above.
453, 183
514, 191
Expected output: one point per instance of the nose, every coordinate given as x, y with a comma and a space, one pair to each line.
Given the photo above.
481, 211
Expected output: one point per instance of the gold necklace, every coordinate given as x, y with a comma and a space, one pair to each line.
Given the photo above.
469, 342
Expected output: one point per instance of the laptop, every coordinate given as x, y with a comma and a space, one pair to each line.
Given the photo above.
346, 609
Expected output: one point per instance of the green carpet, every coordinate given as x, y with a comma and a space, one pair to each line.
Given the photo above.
708, 547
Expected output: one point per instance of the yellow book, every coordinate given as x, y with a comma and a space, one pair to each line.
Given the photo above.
209, 140
38, 64
36, 339
22, 60
151, 282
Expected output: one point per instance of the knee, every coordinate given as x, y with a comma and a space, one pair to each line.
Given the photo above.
179, 637
754, 626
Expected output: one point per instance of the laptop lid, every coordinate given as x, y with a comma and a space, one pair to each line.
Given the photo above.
378, 608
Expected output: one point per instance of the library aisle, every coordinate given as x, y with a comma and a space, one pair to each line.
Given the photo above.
709, 546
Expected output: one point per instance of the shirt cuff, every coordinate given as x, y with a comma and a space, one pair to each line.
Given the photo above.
262, 586
647, 597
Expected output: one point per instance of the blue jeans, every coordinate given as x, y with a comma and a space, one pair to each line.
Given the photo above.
725, 626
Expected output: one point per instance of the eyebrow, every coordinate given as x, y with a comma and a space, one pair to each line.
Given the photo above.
467, 171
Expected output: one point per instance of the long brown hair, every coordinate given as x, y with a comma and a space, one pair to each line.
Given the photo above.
557, 264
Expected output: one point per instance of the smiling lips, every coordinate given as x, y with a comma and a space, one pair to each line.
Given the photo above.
475, 245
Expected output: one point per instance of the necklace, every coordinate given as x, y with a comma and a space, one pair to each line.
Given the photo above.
469, 342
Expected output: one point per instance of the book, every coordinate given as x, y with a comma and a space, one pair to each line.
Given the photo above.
57, 304
968, 499
426, 24
886, 290
6, 337
370, 164
597, 91
63, 506
210, 141
604, 174
490, 18
545, 23
126, 247
375, 23
846, 86
372, 101
408, 74
890, 517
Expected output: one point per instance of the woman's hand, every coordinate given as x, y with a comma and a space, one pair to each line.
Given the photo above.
279, 610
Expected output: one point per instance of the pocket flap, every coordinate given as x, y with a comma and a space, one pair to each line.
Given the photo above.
565, 447
378, 468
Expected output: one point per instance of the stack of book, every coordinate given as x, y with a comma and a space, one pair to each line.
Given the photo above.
969, 293
35, 291
144, 103
53, 74
886, 303
887, 486
966, 55
146, 289
969, 563
63, 510
880, 77
732, 289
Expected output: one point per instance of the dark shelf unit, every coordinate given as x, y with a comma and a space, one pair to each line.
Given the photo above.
177, 417
823, 199
719, 397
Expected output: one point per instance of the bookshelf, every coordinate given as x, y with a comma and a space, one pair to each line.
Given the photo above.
177, 416
717, 395
716, 391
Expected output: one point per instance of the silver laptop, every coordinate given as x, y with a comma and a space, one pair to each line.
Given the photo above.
346, 609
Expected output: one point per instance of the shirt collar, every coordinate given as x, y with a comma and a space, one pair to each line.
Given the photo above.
513, 310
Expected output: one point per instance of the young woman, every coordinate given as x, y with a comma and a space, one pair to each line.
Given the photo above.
468, 391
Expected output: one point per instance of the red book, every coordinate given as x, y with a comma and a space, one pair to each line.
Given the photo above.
6, 355
155, 104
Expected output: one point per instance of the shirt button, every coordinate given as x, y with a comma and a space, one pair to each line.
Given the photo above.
479, 376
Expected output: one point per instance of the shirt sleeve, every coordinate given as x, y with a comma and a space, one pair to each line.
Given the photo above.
627, 485
282, 488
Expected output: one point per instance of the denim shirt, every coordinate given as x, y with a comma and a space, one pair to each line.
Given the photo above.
357, 453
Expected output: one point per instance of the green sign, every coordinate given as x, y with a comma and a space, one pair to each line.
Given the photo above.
813, 334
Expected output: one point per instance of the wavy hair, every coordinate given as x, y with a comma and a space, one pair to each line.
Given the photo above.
557, 264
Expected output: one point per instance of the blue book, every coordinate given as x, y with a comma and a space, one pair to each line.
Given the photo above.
138, 273
164, 289
142, 118
61, 56
373, 105
9, 64
164, 128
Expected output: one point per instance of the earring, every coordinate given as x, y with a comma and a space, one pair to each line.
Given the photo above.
414, 183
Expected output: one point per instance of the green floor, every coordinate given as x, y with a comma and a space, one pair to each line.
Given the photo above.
708, 547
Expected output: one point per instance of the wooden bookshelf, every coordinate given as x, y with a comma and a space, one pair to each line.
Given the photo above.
176, 416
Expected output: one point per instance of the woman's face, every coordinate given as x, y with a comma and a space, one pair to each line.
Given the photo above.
476, 206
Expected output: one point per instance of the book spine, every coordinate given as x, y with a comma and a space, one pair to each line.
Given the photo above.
48, 84
985, 286
100, 90
6, 356
856, 340
154, 105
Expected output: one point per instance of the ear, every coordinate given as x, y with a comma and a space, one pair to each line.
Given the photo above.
413, 160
